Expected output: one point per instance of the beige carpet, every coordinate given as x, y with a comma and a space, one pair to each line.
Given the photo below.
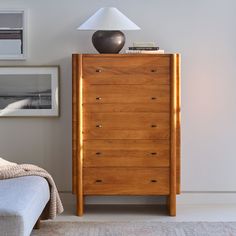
50, 228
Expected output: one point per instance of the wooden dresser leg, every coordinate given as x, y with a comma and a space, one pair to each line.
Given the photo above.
80, 205
37, 224
172, 205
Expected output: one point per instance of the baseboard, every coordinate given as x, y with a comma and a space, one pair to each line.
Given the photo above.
185, 198
206, 198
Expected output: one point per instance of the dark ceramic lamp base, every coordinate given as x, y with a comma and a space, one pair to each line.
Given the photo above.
108, 41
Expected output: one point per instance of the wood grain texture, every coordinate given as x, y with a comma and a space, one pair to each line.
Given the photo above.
126, 181
128, 133
178, 124
161, 105
126, 126
156, 133
173, 137
125, 93
126, 159
126, 121
123, 70
139, 145
132, 56
80, 197
126, 73
159, 77
130, 153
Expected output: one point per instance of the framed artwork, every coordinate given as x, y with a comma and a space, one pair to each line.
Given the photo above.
12, 34
29, 91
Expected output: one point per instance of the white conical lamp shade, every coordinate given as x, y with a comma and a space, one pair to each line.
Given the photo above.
108, 18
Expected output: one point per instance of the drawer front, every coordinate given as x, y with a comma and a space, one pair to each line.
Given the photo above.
151, 106
127, 121
156, 133
126, 94
126, 181
130, 153
126, 70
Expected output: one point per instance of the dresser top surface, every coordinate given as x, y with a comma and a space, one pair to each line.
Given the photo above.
127, 55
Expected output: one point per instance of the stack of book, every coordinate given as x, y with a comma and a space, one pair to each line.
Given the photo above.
148, 47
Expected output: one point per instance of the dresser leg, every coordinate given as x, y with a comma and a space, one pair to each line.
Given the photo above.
172, 205
80, 205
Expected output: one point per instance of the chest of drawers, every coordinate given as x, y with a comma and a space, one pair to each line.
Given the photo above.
126, 126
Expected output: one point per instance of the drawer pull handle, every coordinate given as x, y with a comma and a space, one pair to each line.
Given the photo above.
98, 98
153, 153
153, 70
153, 98
98, 181
98, 126
153, 181
153, 126
98, 153
98, 70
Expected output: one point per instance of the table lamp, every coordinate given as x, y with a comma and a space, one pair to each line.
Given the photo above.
108, 23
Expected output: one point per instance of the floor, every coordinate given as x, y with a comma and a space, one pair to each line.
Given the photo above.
185, 213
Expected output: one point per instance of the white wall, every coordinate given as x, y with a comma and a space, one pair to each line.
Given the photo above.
202, 31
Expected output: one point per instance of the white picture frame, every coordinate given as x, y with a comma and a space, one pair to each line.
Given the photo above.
10, 54
29, 91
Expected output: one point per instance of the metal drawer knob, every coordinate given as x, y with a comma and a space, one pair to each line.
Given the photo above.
98, 181
153, 98
98, 153
98, 70
153, 181
153, 153
98, 126
153, 70
153, 126
98, 98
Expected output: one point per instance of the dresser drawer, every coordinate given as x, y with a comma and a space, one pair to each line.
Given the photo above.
156, 133
136, 153
127, 121
126, 94
161, 105
127, 70
126, 181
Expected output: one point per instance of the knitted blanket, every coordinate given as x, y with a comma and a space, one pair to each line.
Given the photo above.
54, 206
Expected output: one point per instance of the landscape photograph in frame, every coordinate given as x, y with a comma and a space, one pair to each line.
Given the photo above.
29, 91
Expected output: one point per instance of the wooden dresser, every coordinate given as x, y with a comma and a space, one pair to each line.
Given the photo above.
126, 126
